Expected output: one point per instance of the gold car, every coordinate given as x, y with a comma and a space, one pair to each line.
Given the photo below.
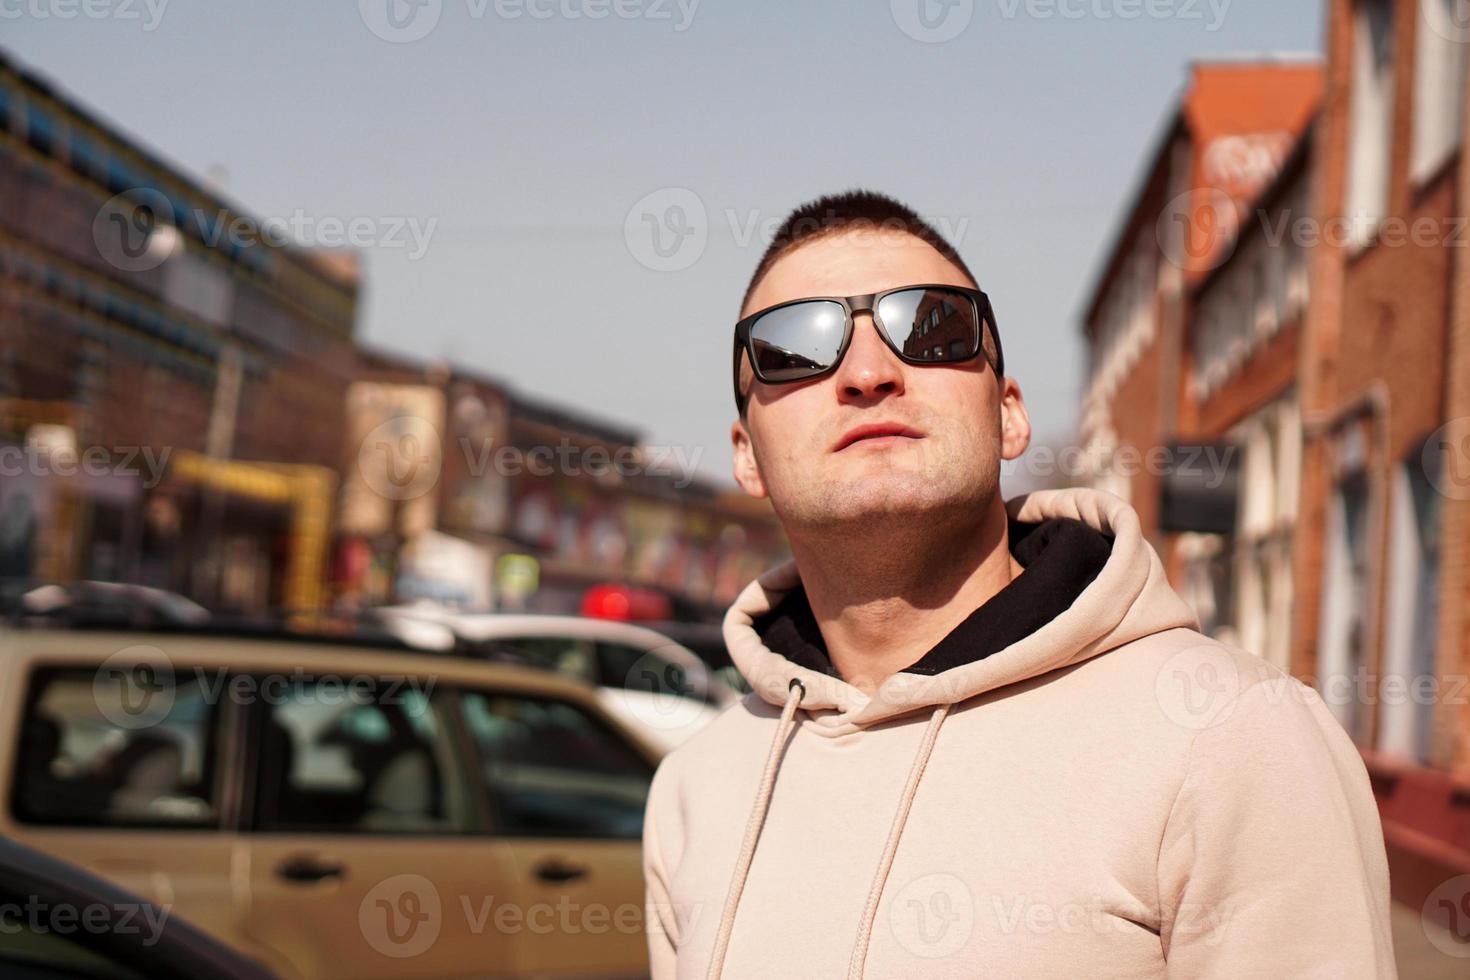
334, 811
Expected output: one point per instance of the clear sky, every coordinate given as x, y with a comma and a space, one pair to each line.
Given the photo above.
509, 166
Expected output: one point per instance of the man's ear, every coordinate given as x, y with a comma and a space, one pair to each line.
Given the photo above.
747, 470
1015, 423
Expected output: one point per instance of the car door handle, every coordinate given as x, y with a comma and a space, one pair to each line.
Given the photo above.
304, 868
557, 872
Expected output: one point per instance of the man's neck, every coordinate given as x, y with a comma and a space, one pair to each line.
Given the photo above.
884, 595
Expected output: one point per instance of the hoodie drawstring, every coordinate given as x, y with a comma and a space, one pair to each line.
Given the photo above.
880, 877
795, 692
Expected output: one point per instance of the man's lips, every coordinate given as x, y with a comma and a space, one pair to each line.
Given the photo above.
875, 430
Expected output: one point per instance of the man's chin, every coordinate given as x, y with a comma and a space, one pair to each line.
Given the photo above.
889, 492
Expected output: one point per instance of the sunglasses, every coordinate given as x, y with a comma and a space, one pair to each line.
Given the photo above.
807, 338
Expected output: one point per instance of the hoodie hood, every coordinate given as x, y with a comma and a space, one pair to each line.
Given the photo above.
1129, 597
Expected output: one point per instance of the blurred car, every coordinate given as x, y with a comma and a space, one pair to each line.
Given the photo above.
57, 922
650, 682
95, 603
335, 810
707, 641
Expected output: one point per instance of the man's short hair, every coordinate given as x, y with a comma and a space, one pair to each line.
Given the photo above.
853, 210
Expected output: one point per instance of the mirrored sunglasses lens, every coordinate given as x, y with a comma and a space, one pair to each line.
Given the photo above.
797, 341
931, 324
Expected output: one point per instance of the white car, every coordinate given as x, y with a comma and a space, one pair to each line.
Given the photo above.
648, 681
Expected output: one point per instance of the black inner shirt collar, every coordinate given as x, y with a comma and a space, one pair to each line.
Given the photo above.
1060, 557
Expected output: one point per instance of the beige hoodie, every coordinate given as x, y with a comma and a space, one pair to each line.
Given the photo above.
1115, 795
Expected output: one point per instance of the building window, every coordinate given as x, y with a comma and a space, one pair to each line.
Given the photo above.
87, 158
1261, 561
40, 129
1345, 603
1371, 119
1208, 583
1439, 87
1413, 607
1297, 274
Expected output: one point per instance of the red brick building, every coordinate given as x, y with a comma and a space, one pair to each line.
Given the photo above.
196, 366
1232, 127
1384, 537
1312, 322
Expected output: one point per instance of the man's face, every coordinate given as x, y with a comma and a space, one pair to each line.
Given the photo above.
795, 443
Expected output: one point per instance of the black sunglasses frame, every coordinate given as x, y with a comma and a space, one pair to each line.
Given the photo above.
868, 303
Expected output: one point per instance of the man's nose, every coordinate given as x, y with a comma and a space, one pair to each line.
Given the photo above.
870, 370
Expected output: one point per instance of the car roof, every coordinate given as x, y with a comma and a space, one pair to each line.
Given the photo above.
495, 626
276, 653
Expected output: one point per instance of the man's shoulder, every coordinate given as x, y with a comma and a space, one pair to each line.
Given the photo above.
1199, 684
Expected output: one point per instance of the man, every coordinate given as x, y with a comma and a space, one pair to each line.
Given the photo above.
985, 738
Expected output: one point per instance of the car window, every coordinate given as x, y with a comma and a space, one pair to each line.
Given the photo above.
552, 769
355, 758
634, 668
129, 746
570, 656
30, 947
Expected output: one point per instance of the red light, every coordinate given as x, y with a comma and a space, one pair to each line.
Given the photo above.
623, 603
